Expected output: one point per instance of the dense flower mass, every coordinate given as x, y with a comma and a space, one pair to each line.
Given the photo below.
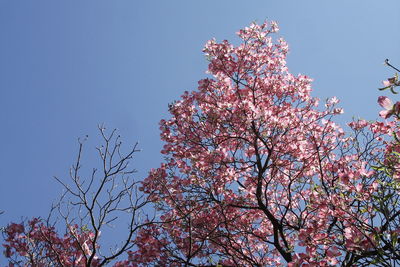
42, 245
256, 173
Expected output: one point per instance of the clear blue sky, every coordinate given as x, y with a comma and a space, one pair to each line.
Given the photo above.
66, 66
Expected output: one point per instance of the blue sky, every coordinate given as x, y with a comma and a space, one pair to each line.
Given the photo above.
66, 66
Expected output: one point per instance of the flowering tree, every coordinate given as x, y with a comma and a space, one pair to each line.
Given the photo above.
85, 209
255, 174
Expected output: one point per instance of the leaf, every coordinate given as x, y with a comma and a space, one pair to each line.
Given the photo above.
378, 168
384, 88
392, 90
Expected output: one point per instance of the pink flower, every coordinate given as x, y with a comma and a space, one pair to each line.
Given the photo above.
386, 83
387, 104
359, 124
390, 81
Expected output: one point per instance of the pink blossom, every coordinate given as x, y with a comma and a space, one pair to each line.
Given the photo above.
254, 174
385, 102
389, 108
254, 127
387, 83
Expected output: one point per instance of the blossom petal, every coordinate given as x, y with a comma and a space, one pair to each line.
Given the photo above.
385, 102
386, 113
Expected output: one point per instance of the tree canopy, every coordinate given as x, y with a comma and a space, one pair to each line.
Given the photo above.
256, 173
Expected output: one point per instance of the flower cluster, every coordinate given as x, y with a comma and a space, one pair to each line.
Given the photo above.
43, 246
255, 172
36, 244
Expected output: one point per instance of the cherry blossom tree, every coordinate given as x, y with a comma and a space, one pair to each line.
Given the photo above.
257, 174
108, 197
